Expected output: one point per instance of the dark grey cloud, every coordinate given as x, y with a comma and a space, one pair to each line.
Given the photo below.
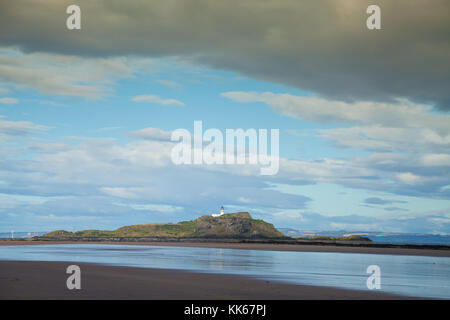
319, 46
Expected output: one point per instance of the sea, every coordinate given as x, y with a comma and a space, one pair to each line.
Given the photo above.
428, 239
407, 275
377, 237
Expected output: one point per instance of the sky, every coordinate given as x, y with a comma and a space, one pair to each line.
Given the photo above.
86, 115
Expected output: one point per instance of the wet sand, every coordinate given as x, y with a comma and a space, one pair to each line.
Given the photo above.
47, 280
260, 246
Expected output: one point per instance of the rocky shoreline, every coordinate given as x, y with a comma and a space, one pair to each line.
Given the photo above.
206, 240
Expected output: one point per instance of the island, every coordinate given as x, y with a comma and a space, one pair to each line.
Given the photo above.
231, 227
237, 225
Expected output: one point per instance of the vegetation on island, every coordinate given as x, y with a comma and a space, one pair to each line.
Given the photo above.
238, 225
232, 225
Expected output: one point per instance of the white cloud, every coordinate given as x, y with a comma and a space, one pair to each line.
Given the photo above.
354, 226
436, 160
244, 200
7, 100
320, 110
108, 129
140, 173
139, 162
155, 99
51, 103
126, 193
406, 137
11, 129
408, 178
169, 83
4, 90
394, 139
41, 147
64, 74
150, 134
164, 208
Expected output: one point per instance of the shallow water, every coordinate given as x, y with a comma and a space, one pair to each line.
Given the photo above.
406, 275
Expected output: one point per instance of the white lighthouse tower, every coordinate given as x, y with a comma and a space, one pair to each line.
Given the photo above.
222, 212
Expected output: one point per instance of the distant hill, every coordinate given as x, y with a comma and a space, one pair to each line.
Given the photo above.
20, 234
325, 236
232, 225
376, 236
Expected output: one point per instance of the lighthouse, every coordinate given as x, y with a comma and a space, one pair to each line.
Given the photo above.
222, 212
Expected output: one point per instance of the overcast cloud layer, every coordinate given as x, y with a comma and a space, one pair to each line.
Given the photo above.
319, 46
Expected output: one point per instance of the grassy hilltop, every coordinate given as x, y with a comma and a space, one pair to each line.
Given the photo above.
232, 225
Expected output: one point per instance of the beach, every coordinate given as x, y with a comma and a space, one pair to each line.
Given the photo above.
47, 280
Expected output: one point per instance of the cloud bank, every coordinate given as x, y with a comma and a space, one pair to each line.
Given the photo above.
318, 46
103, 178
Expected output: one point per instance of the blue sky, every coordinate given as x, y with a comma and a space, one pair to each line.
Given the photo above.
76, 152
